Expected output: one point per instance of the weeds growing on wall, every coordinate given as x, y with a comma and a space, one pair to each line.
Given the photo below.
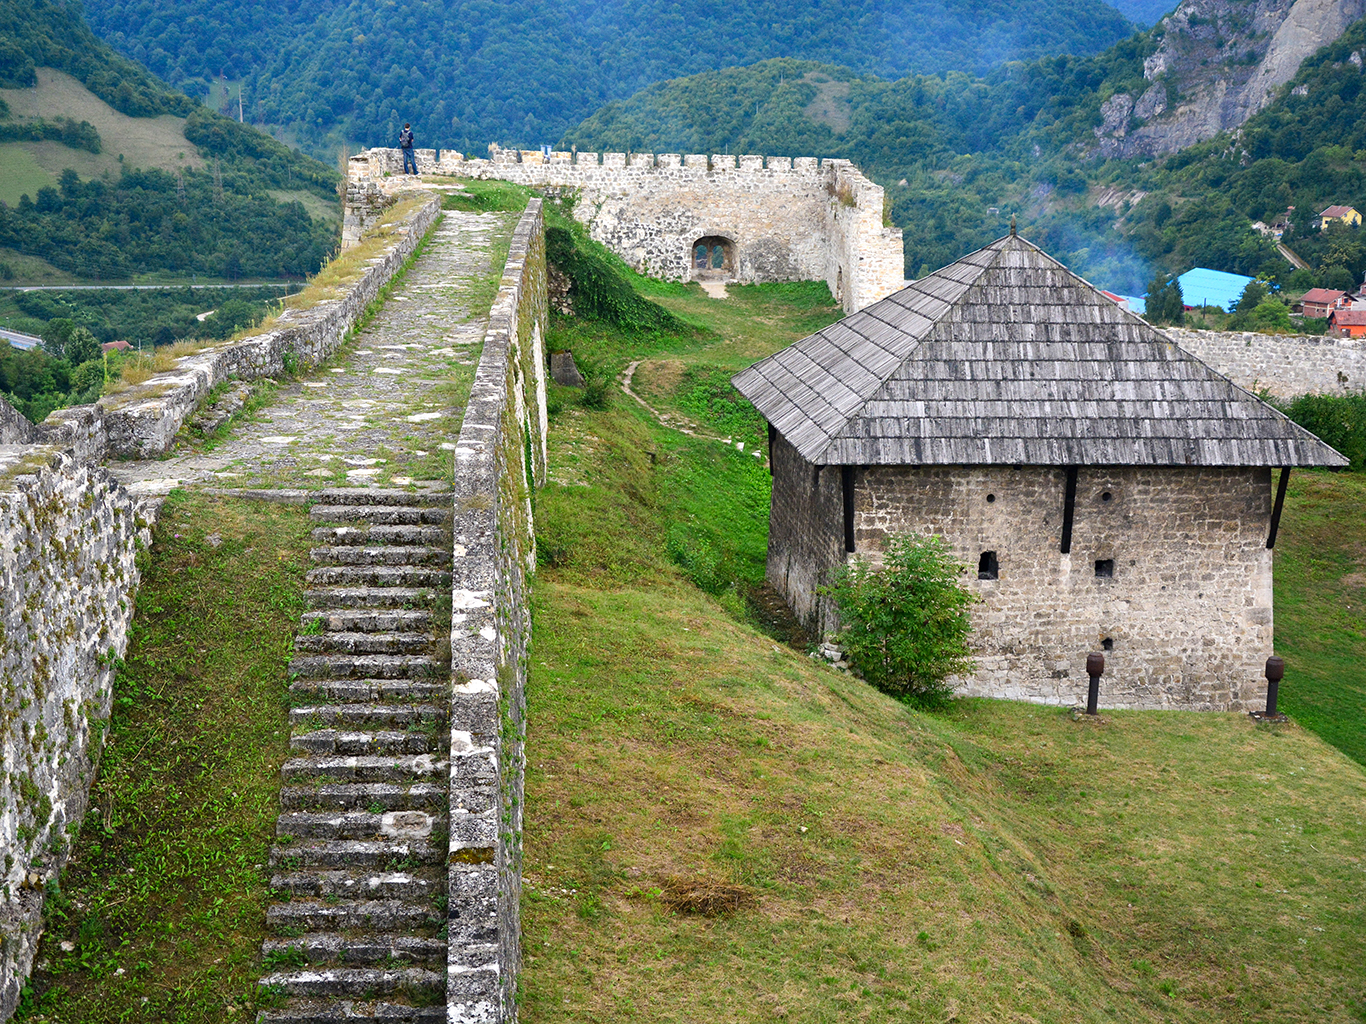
599, 282
161, 912
906, 624
486, 197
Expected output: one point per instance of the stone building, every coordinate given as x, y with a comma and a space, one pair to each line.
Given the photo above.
1107, 490
745, 219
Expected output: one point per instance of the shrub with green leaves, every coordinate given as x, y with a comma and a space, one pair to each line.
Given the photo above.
906, 624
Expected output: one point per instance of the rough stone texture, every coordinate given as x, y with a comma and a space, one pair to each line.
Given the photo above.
67, 572
500, 456
1203, 51
387, 407
1188, 609
364, 204
14, 425
142, 422
564, 370
1285, 365
785, 219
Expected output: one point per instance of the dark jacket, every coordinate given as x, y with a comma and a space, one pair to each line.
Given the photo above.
405, 139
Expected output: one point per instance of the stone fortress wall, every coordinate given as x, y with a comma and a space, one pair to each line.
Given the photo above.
780, 218
1285, 365
69, 536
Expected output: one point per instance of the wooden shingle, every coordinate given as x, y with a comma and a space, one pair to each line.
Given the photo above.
1007, 357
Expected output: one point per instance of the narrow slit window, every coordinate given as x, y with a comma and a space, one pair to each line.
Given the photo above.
1105, 568
987, 566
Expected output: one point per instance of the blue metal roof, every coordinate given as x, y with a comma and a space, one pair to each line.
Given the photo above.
1201, 287
1137, 303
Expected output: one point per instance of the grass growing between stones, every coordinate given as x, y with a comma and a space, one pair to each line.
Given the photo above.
162, 909
1321, 606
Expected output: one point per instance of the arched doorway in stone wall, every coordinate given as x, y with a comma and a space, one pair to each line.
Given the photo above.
713, 255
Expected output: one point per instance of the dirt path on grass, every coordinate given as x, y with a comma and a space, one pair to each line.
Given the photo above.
386, 410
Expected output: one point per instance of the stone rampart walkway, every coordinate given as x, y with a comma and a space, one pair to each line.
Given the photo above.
387, 410
357, 929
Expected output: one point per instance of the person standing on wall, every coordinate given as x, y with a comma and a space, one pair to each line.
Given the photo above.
405, 143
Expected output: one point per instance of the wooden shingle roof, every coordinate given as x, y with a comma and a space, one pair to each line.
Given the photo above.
1008, 357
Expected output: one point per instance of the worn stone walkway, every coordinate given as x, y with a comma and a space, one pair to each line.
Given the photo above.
386, 411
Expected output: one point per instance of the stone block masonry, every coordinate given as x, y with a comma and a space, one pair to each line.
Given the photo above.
777, 219
70, 536
1284, 365
499, 458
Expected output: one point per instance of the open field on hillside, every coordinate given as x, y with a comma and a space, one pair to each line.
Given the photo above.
999, 862
141, 141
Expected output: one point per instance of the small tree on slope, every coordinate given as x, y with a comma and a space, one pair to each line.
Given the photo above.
906, 625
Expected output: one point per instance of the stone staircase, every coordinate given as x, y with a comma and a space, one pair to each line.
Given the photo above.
359, 867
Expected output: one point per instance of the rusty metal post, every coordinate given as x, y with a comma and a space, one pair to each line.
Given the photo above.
1275, 672
1095, 668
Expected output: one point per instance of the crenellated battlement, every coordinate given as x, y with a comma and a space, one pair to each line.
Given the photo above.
748, 218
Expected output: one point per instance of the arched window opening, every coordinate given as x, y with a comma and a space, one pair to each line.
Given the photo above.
713, 255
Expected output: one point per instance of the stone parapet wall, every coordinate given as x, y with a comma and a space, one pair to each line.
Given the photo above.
68, 570
785, 218
1284, 365
499, 458
142, 422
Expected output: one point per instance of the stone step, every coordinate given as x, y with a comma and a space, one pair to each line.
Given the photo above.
354, 885
377, 576
406, 534
362, 915
384, 598
366, 768
350, 496
359, 853
329, 947
379, 716
391, 826
331, 1011
339, 642
352, 691
367, 666
407, 554
388, 620
380, 515
375, 797
336, 741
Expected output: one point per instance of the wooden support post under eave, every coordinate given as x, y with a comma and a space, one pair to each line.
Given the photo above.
1069, 509
847, 485
1276, 508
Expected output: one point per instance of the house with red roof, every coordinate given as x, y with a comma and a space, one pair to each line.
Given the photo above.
1319, 302
1345, 214
1347, 323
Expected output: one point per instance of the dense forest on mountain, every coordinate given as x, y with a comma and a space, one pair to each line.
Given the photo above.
952, 149
469, 72
218, 221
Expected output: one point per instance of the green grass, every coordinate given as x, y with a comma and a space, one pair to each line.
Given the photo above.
1321, 606
164, 900
485, 196
20, 173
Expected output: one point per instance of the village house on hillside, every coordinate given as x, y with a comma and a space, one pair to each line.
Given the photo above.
1346, 214
1347, 323
1108, 490
1319, 302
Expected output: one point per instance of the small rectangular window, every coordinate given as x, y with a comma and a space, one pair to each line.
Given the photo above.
987, 566
1105, 568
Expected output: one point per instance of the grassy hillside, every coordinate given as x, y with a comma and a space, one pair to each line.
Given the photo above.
720, 827
335, 71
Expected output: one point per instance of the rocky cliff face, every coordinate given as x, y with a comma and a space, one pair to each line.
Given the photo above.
1218, 63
